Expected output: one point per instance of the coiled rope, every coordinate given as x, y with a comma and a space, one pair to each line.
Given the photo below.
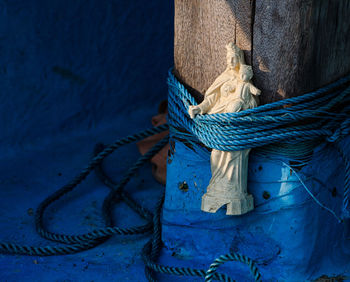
78, 243
151, 250
232, 257
321, 115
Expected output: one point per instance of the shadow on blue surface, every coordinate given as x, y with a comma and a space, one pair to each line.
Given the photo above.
74, 73
41, 173
69, 66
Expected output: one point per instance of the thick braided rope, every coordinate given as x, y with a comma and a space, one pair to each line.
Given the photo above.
12, 248
78, 179
78, 243
232, 257
267, 124
231, 137
152, 249
108, 202
86, 171
320, 115
151, 252
300, 102
140, 210
156, 238
175, 270
346, 198
143, 212
82, 242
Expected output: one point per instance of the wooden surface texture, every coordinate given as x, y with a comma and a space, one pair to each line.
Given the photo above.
294, 46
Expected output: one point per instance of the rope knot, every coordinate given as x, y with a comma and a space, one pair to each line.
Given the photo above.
340, 132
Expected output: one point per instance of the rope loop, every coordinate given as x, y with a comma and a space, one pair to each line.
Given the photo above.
342, 131
78, 243
315, 116
232, 257
321, 115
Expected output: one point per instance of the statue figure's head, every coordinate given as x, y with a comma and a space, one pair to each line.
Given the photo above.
245, 72
235, 56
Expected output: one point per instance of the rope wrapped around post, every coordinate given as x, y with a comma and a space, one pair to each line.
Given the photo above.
321, 115
324, 114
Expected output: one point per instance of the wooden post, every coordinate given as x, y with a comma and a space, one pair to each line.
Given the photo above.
294, 46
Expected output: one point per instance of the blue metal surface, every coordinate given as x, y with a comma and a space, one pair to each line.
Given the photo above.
289, 236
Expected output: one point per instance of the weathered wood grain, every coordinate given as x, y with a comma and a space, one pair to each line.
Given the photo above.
299, 45
202, 29
325, 53
294, 45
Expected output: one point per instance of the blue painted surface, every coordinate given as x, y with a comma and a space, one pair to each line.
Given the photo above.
289, 235
31, 176
74, 73
68, 66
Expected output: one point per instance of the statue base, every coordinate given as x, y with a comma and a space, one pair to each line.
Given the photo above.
235, 206
288, 235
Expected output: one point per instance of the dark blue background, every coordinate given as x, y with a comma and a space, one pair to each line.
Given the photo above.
74, 73
68, 66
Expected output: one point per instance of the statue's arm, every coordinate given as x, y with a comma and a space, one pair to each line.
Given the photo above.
254, 90
210, 96
203, 107
207, 103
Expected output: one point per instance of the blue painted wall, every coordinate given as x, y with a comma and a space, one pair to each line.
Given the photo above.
69, 66
288, 235
74, 73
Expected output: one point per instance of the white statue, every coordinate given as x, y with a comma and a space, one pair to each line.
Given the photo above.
231, 92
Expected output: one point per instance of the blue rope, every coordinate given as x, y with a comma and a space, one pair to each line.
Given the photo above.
346, 198
321, 115
232, 257
262, 126
151, 251
230, 132
312, 195
78, 243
